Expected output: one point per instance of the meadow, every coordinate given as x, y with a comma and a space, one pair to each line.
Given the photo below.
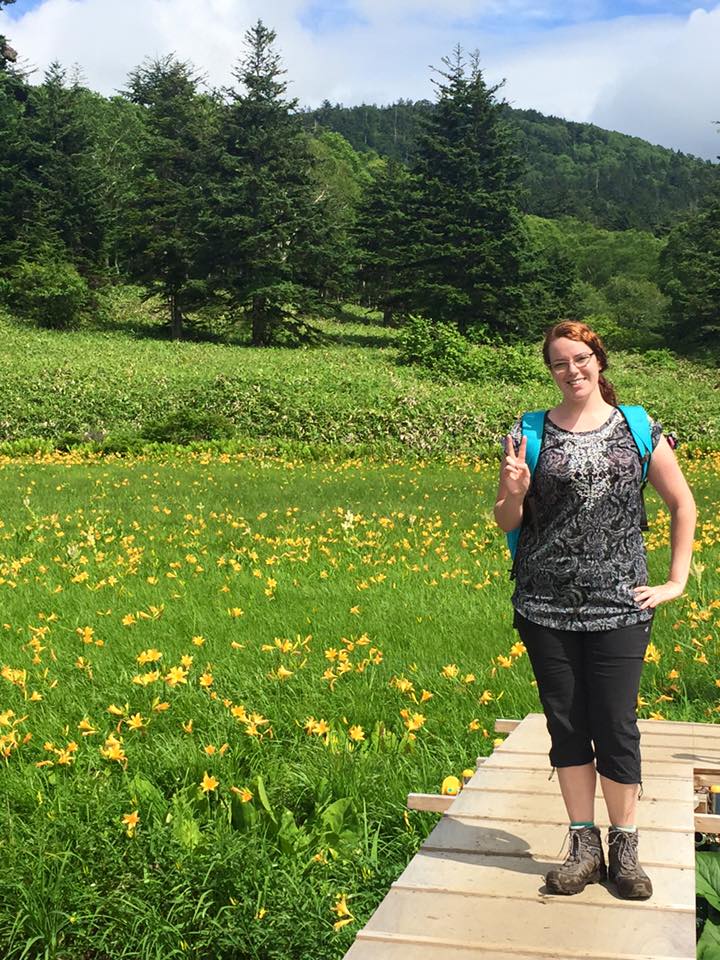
348, 397
221, 674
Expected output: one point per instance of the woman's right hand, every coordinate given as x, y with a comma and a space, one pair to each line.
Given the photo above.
515, 471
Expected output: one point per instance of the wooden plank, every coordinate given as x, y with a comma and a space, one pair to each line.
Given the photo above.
694, 751
431, 802
544, 841
680, 726
668, 727
687, 756
381, 942
506, 726
535, 781
371, 949
522, 878
707, 823
534, 736
548, 926
539, 761
375, 948
672, 815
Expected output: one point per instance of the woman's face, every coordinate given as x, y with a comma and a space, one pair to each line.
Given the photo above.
574, 367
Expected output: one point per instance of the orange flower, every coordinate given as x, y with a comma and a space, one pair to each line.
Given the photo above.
131, 821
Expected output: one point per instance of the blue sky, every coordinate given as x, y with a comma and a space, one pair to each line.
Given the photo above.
644, 67
22, 6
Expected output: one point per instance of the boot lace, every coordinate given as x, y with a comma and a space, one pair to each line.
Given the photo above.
573, 855
625, 845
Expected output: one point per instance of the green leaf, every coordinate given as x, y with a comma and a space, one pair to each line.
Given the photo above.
264, 799
333, 816
146, 795
187, 832
707, 866
291, 838
185, 828
708, 946
243, 816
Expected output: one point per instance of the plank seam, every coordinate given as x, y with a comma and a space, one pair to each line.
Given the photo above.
385, 937
557, 823
431, 848
544, 898
512, 791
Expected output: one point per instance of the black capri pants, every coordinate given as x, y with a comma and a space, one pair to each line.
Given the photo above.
588, 682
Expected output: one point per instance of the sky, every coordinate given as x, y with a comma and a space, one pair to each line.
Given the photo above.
645, 67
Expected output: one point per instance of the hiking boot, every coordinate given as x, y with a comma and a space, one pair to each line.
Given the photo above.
630, 879
584, 863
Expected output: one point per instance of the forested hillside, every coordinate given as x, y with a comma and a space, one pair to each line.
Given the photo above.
571, 169
246, 218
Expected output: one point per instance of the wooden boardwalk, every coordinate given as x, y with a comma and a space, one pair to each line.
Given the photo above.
476, 890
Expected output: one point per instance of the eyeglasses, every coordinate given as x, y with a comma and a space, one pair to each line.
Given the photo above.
562, 366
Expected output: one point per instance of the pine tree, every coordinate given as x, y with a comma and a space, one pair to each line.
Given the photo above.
49, 205
468, 245
67, 216
268, 211
17, 185
164, 248
383, 231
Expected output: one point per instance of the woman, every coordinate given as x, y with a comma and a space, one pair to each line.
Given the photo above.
583, 606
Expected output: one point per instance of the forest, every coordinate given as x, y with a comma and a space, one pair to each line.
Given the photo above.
571, 169
246, 215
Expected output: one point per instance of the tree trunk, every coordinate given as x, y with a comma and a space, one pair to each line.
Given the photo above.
260, 327
176, 318
387, 316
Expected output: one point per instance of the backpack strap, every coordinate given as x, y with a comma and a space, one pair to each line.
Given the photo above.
533, 427
639, 425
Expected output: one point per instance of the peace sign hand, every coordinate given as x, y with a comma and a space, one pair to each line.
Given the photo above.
515, 471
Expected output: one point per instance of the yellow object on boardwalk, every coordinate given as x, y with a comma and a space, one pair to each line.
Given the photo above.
451, 786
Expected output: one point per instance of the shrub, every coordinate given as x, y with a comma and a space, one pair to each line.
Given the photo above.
52, 293
443, 350
661, 358
188, 426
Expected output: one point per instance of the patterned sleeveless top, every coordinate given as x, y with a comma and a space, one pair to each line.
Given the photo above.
581, 548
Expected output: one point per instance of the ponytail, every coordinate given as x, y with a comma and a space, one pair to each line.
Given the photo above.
608, 391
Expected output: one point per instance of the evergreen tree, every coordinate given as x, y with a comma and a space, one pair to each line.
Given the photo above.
690, 275
268, 218
468, 246
67, 219
17, 183
162, 243
383, 233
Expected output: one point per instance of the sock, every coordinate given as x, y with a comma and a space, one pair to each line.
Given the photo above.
579, 824
632, 829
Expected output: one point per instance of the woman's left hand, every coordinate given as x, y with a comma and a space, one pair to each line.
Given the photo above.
652, 596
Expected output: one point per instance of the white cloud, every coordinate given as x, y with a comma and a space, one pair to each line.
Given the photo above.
669, 93
655, 76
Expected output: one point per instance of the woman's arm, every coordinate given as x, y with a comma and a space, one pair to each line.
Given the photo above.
514, 484
667, 478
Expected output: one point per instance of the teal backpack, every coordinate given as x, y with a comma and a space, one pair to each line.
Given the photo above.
533, 427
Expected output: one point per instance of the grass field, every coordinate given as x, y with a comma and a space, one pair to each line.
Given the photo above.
221, 676
349, 396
